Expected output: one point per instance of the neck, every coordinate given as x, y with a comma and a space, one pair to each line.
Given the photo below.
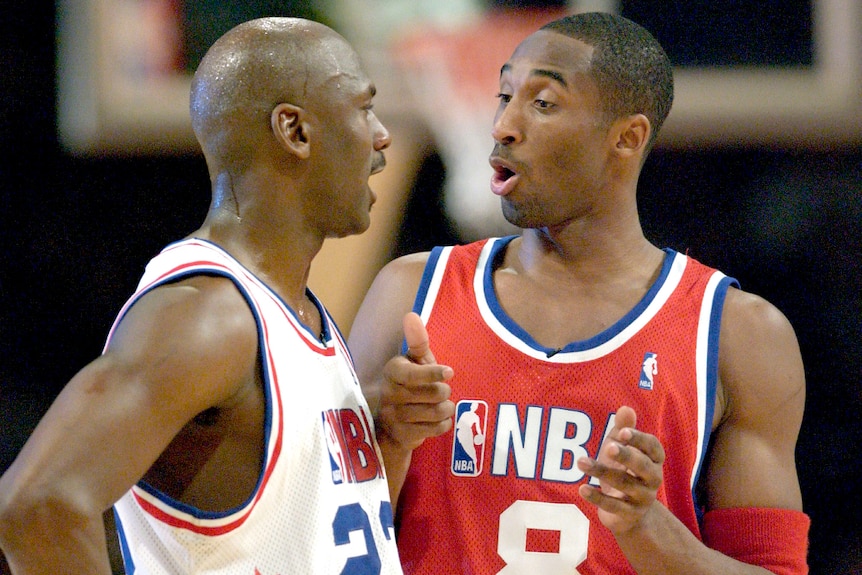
280, 256
586, 251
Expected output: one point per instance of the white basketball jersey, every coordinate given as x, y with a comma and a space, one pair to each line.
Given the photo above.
321, 504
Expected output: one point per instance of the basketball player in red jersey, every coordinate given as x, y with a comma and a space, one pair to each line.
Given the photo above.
638, 411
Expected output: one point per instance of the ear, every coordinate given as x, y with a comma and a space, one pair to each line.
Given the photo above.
633, 133
291, 130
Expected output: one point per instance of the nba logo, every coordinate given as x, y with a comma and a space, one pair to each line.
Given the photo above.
649, 369
468, 444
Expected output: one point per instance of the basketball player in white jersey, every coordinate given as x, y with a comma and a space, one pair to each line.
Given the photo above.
223, 420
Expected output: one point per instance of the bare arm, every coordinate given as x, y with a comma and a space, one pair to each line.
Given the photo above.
180, 350
406, 393
763, 380
751, 464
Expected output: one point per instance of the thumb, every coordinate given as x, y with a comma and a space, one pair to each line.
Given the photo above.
416, 336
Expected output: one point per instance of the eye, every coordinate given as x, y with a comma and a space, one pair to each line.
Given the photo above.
504, 98
543, 104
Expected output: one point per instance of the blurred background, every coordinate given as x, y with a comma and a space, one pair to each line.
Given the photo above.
758, 172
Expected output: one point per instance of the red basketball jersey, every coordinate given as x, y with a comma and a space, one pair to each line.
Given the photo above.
499, 492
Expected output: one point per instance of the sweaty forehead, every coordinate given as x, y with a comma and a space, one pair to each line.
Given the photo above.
547, 50
339, 63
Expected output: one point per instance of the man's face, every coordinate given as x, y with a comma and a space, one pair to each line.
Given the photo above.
351, 141
551, 146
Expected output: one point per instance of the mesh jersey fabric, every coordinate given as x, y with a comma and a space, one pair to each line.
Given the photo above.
321, 504
508, 503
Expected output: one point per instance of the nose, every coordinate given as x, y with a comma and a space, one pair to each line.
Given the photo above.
505, 129
382, 139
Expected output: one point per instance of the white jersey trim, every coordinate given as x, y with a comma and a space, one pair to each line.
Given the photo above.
706, 362
587, 350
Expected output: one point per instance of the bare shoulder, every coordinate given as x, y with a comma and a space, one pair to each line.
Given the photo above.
407, 269
759, 408
393, 291
753, 311
197, 330
377, 332
760, 364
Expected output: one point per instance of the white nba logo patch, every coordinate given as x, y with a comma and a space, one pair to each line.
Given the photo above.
649, 369
468, 444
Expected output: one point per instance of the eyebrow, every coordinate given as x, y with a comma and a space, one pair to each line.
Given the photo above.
556, 76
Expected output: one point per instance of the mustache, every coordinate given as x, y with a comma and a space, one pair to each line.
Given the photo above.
502, 152
502, 156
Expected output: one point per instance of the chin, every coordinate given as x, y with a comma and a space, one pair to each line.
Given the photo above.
363, 228
513, 216
356, 228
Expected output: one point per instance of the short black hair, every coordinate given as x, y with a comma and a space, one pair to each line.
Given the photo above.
631, 69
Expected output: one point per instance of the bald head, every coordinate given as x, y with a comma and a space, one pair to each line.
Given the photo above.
250, 70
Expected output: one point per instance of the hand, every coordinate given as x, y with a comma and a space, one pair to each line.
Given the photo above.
414, 400
629, 469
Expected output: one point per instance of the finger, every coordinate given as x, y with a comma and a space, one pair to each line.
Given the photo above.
595, 496
608, 503
616, 482
412, 435
433, 413
625, 417
416, 336
637, 465
423, 392
411, 424
645, 443
646, 448
400, 371
608, 475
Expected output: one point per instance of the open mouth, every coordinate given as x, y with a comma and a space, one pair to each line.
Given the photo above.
501, 173
503, 179
502, 169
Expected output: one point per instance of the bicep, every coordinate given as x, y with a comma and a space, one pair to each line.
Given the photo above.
166, 362
752, 460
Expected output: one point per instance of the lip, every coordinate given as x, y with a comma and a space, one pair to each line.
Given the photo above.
505, 177
378, 164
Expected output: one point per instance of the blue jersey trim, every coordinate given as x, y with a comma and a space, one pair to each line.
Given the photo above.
128, 562
510, 325
424, 284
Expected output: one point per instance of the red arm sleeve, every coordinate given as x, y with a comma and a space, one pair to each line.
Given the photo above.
775, 539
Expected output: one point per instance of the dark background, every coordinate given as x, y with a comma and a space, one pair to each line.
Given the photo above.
76, 233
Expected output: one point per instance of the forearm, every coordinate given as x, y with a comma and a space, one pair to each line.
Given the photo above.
36, 542
396, 460
661, 545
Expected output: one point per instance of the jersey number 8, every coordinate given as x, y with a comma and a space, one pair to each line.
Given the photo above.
572, 524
